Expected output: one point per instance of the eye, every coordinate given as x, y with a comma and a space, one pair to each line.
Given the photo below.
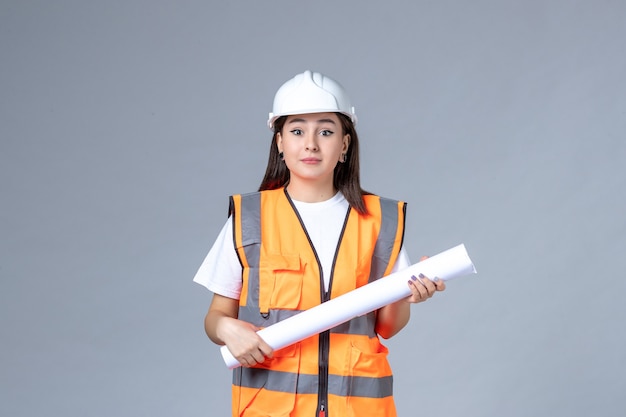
296, 132
326, 132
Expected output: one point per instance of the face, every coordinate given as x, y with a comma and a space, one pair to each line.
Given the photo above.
312, 145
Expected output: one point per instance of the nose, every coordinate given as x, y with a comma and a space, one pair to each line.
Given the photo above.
311, 142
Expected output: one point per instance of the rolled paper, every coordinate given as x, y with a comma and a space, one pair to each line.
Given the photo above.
446, 265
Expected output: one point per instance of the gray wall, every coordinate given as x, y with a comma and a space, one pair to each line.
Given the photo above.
125, 126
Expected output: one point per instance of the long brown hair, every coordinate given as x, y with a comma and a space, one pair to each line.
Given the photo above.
346, 177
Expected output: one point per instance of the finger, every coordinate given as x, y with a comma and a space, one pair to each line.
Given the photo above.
243, 361
428, 284
258, 356
414, 297
266, 349
420, 290
440, 284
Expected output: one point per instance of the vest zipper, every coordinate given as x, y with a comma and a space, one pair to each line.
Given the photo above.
322, 395
324, 337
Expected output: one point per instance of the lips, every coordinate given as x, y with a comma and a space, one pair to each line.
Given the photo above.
310, 160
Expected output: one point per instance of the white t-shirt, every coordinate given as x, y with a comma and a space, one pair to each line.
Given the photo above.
221, 271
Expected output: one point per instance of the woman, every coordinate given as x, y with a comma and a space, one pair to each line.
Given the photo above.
310, 234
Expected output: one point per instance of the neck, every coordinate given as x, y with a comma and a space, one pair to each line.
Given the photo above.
310, 193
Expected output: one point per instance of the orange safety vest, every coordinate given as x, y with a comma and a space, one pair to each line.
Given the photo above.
341, 372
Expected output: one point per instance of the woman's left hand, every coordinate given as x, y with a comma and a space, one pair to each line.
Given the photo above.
422, 288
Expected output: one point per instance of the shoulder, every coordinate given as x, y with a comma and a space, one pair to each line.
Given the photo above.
258, 194
377, 200
253, 202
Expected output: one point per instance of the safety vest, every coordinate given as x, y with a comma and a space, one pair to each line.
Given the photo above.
341, 372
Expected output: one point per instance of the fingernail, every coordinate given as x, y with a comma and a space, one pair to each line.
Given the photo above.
422, 275
413, 277
436, 279
410, 282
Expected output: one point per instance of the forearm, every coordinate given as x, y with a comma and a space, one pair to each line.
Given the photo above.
223, 328
212, 322
223, 311
392, 318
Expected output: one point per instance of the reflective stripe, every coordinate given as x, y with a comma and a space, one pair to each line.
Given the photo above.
273, 317
362, 325
344, 386
275, 380
359, 325
251, 239
386, 239
250, 218
360, 386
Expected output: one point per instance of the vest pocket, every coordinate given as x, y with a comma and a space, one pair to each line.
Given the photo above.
269, 389
369, 361
370, 390
281, 281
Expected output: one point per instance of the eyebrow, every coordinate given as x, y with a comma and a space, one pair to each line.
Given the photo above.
299, 120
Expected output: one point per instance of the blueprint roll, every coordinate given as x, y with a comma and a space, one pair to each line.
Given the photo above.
452, 263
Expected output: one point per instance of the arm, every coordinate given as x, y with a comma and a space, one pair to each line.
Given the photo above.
223, 328
393, 317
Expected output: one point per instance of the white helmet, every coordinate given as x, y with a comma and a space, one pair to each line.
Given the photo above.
310, 92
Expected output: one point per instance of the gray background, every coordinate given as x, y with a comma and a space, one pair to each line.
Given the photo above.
125, 126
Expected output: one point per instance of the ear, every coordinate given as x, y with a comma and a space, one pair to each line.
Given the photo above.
279, 142
346, 143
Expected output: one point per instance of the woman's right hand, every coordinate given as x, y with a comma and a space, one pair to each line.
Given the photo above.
240, 337
243, 342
